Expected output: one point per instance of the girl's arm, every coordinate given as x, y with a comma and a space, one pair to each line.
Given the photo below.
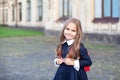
85, 59
55, 62
58, 61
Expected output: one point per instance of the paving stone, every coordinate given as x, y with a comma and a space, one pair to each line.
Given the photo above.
31, 58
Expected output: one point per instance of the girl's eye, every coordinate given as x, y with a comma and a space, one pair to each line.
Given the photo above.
67, 29
73, 30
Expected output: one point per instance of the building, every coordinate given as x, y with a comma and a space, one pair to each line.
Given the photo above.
99, 18
3, 12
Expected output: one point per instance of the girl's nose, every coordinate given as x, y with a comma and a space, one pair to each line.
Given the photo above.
69, 31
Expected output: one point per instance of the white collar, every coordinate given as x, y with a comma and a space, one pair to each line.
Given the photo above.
69, 42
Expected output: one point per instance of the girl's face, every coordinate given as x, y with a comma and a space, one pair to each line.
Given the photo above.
70, 31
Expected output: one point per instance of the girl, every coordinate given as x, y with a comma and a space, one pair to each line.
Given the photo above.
71, 55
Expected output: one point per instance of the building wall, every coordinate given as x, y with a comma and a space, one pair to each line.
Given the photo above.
81, 9
4, 12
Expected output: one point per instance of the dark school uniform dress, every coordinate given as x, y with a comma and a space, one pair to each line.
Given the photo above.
67, 72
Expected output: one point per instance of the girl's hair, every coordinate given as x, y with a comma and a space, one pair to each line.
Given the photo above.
74, 51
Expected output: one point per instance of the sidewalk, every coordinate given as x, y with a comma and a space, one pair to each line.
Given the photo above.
31, 58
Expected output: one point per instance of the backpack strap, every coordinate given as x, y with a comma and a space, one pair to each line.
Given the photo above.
87, 68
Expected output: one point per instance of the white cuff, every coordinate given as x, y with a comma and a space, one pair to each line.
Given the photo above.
56, 65
76, 65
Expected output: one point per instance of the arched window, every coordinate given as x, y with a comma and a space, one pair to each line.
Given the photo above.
28, 10
13, 12
6, 15
39, 10
20, 11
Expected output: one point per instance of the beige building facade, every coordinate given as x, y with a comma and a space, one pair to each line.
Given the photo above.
96, 16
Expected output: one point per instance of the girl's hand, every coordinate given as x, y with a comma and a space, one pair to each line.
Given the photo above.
59, 61
68, 61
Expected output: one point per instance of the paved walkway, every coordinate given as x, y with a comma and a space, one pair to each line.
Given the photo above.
31, 58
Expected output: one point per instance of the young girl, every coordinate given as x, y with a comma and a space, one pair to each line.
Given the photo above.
71, 55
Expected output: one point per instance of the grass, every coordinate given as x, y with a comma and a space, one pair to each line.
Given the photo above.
99, 46
13, 32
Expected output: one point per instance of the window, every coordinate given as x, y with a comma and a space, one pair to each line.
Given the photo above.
106, 11
2, 12
13, 13
39, 9
3, 1
6, 19
20, 11
65, 9
28, 10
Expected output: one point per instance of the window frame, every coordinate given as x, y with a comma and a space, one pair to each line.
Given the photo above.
105, 19
20, 11
13, 12
28, 10
40, 10
64, 9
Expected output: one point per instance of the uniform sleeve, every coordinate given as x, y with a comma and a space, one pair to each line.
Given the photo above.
85, 59
76, 65
55, 60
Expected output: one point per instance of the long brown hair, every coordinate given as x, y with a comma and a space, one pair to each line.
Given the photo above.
74, 52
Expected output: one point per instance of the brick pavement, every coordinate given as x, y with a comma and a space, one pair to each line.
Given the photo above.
31, 58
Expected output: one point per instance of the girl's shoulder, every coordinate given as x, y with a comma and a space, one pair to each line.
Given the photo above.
81, 44
82, 47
